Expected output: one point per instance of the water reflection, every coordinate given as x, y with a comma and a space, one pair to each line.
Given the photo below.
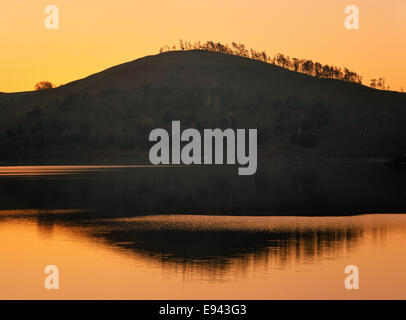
112, 230
179, 253
208, 246
41, 171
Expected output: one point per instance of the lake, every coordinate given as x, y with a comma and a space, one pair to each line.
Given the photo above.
141, 232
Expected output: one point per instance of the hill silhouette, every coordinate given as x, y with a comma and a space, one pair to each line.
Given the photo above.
108, 115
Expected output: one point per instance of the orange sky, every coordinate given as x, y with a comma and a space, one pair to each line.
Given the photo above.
97, 34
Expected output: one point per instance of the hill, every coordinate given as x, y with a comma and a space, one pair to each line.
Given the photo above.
108, 115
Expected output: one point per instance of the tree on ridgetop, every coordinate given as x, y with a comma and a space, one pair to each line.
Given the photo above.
43, 85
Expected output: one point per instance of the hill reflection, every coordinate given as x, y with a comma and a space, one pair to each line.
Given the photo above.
215, 247
209, 247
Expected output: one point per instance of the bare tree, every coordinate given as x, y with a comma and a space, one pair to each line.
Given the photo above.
181, 45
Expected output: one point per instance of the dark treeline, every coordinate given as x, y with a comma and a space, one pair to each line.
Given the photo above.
309, 67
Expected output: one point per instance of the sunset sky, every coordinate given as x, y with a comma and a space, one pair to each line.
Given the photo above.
97, 34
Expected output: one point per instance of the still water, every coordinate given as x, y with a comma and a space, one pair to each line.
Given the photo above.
154, 233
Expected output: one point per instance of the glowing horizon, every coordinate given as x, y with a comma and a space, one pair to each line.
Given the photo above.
96, 35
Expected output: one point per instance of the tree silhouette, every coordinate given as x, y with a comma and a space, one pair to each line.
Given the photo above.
43, 85
314, 69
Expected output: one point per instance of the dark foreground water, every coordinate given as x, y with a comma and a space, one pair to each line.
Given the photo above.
169, 233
